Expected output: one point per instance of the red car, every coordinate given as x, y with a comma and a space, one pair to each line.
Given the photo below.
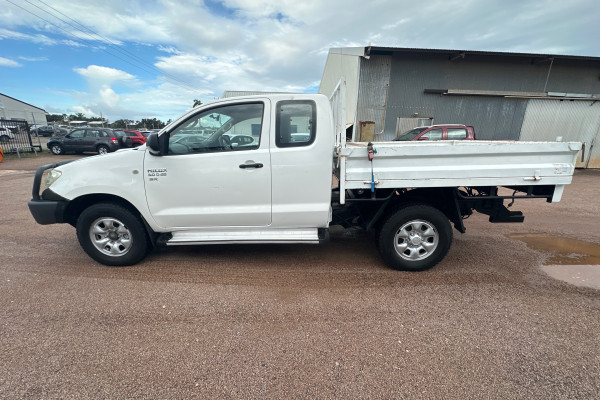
438, 132
137, 138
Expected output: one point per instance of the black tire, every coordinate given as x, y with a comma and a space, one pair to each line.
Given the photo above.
102, 149
56, 149
415, 237
4, 138
112, 235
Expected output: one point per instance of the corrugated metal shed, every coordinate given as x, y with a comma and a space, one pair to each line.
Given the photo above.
374, 82
14, 109
412, 74
573, 121
499, 93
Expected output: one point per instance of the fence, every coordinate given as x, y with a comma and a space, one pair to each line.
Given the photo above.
15, 137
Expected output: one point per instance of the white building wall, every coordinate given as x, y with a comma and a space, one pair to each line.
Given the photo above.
343, 62
11, 109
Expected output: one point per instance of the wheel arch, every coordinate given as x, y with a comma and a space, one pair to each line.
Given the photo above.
442, 199
78, 205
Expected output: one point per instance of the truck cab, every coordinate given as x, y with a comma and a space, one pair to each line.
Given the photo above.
272, 184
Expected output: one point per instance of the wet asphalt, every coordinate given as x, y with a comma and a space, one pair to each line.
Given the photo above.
297, 321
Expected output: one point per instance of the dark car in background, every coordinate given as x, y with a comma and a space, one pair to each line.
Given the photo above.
438, 132
49, 130
79, 140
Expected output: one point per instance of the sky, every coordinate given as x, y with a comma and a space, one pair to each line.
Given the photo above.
139, 59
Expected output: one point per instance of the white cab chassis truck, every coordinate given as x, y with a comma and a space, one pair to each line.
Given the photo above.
278, 169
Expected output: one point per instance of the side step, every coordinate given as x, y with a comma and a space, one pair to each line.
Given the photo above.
198, 237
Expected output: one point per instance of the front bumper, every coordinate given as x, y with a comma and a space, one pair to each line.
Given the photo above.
50, 207
47, 211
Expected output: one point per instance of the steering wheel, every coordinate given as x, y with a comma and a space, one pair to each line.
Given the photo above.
225, 142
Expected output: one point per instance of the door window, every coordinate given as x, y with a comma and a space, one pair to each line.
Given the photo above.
227, 128
77, 134
434, 134
296, 123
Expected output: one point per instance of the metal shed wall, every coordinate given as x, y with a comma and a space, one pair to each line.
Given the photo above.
545, 120
493, 117
13, 109
374, 79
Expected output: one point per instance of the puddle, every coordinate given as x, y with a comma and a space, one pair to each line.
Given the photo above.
564, 251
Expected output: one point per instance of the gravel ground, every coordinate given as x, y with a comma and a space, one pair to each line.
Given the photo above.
297, 321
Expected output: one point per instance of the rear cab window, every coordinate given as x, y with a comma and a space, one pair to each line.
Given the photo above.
296, 123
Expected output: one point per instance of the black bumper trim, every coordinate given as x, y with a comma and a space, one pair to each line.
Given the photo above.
47, 212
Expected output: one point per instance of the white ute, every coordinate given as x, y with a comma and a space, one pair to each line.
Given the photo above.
274, 183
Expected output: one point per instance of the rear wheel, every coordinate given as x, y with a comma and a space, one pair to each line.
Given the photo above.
415, 238
102, 149
56, 149
112, 235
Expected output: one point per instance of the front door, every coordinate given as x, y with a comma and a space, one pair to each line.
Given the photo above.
74, 140
207, 181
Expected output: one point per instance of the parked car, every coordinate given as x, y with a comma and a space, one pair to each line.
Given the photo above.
46, 130
137, 137
60, 132
438, 132
5, 134
100, 140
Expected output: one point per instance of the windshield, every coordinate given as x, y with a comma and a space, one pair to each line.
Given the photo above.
410, 135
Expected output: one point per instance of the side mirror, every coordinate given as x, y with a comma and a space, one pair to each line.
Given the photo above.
153, 145
423, 138
158, 145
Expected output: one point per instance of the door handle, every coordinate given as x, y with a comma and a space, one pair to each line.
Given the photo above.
251, 165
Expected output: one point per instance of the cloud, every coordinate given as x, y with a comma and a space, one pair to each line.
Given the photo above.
203, 48
109, 96
33, 59
84, 110
5, 62
103, 75
170, 50
36, 38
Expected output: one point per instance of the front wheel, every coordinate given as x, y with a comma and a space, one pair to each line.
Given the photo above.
56, 149
415, 238
112, 235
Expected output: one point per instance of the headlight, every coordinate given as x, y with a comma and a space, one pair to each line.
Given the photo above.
52, 177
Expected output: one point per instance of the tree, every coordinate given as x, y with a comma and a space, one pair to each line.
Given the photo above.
59, 118
153, 123
197, 103
119, 124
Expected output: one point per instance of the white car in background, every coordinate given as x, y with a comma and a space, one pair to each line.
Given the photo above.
5, 134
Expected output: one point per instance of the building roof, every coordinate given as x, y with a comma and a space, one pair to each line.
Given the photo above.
463, 53
30, 105
237, 93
